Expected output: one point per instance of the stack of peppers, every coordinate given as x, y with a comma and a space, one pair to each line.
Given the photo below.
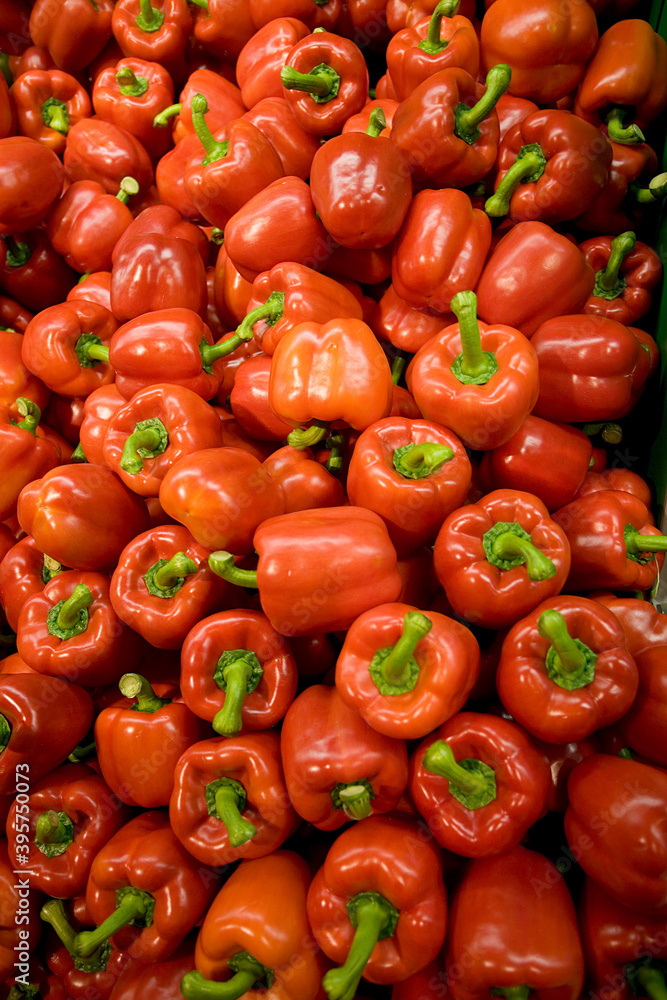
331, 663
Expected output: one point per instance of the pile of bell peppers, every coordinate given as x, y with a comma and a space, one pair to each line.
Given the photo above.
331, 663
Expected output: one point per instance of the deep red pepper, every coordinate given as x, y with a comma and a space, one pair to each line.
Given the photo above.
26, 453
47, 103
98, 150
154, 272
130, 94
74, 33
249, 400
626, 271
95, 287
294, 146
169, 178
616, 478
32, 180
93, 976
222, 96
14, 937
156, 30
223, 27
23, 571
98, 408
87, 222
263, 56
406, 327
34, 273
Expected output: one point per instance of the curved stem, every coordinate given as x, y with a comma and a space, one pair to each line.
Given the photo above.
417, 461
53, 913
213, 352
228, 804
308, 437
376, 123
528, 167
50, 829
467, 119
150, 19
608, 283
373, 918
509, 546
137, 686
134, 905
626, 135
270, 311
163, 118
434, 43
148, 440
214, 150
439, 759
322, 83
31, 414
173, 571
127, 188
396, 664
653, 982
222, 564
247, 971
228, 721
70, 610
656, 189
552, 626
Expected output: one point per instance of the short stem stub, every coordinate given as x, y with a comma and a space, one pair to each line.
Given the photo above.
395, 669
417, 461
508, 545
70, 617
471, 781
139, 687
353, 797
54, 832
569, 662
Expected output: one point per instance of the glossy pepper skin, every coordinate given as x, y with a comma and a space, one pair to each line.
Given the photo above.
130, 94
294, 146
25, 455
222, 95
613, 543
360, 880
548, 33
546, 953
406, 671
47, 102
337, 768
86, 224
305, 482
270, 942
34, 273
99, 150
413, 473
613, 819
74, 34
559, 279
32, 181
237, 672
42, 720
479, 783
157, 31
23, 571
153, 872
488, 575
626, 271
230, 800
69, 816
346, 562
565, 670
264, 55
70, 629
479, 379
153, 272
162, 585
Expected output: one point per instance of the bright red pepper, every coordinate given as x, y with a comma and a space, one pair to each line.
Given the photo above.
95, 287
159, 980
74, 33
34, 273
559, 279
23, 571
238, 949
613, 823
130, 94
169, 178
98, 150
237, 672
26, 455
479, 783
223, 27
156, 30
489, 919
381, 919
32, 180
230, 800
559, 35
616, 478
406, 327
249, 400
64, 513
613, 542
222, 96
94, 976
47, 103
632, 186
406, 671
263, 56
141, 736
87, 222
346, 562
499, 558
305, 482
154, 272
165, 221
565, 670
99, 406
626, 271
69, 815
294, 146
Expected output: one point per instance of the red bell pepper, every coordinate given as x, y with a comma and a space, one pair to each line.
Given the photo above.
616, 478
346, 562
631, 101
237, 672
34, 273
626, 271
406, 671
156, 30
94, 976
153, 272
479, 783
440, 249
337, 768
406, 327
325, 80
413, 473
223, 27
95, 287
166, 221
645, 630
140, 741
69, 629
23, 571
447, 127
159, 980
445, 39
32, 180
25, 454
58, 829
549, 168
294, 146
513, 930
565, 670
325, 372
230, 166
382, 920
169, 178
222, 96
499, 558
15, 379
249, 400
559, 35
143, 877
478, 379
98, 150
263, 56
74, 33
64, 513
558, 281
98, 408
230, 800
613, 823
41, 721
548, 459
270, 947
305, 482
130, 94
361, 186
87, 222
47, 103
613, 543
590, 368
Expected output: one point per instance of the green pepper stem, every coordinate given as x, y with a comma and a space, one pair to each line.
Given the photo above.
439, 759
31, 414
163, 118
139, 687
147, 438
194, 986
320, 82
270, 311
222, 564
474, 362
355, 801
377, 122
308, 437
129, 84
468, 119
372, 916
49, 829
528, 165
227, 805
653, 981
5, 731
55, 116
175, 569
607, 280
200, 3
214, 150
53, 913
228, 720
552, 626
150, 19
636, 543
434, 43
393, 667
213, 352
656, 189
18, 254
5, 70
418, 461
132, 905
511, 992
80, 598
508, 546
128, 187
82, 752
626, 135
96, 352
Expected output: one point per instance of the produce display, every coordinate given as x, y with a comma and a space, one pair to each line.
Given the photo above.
331, 661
